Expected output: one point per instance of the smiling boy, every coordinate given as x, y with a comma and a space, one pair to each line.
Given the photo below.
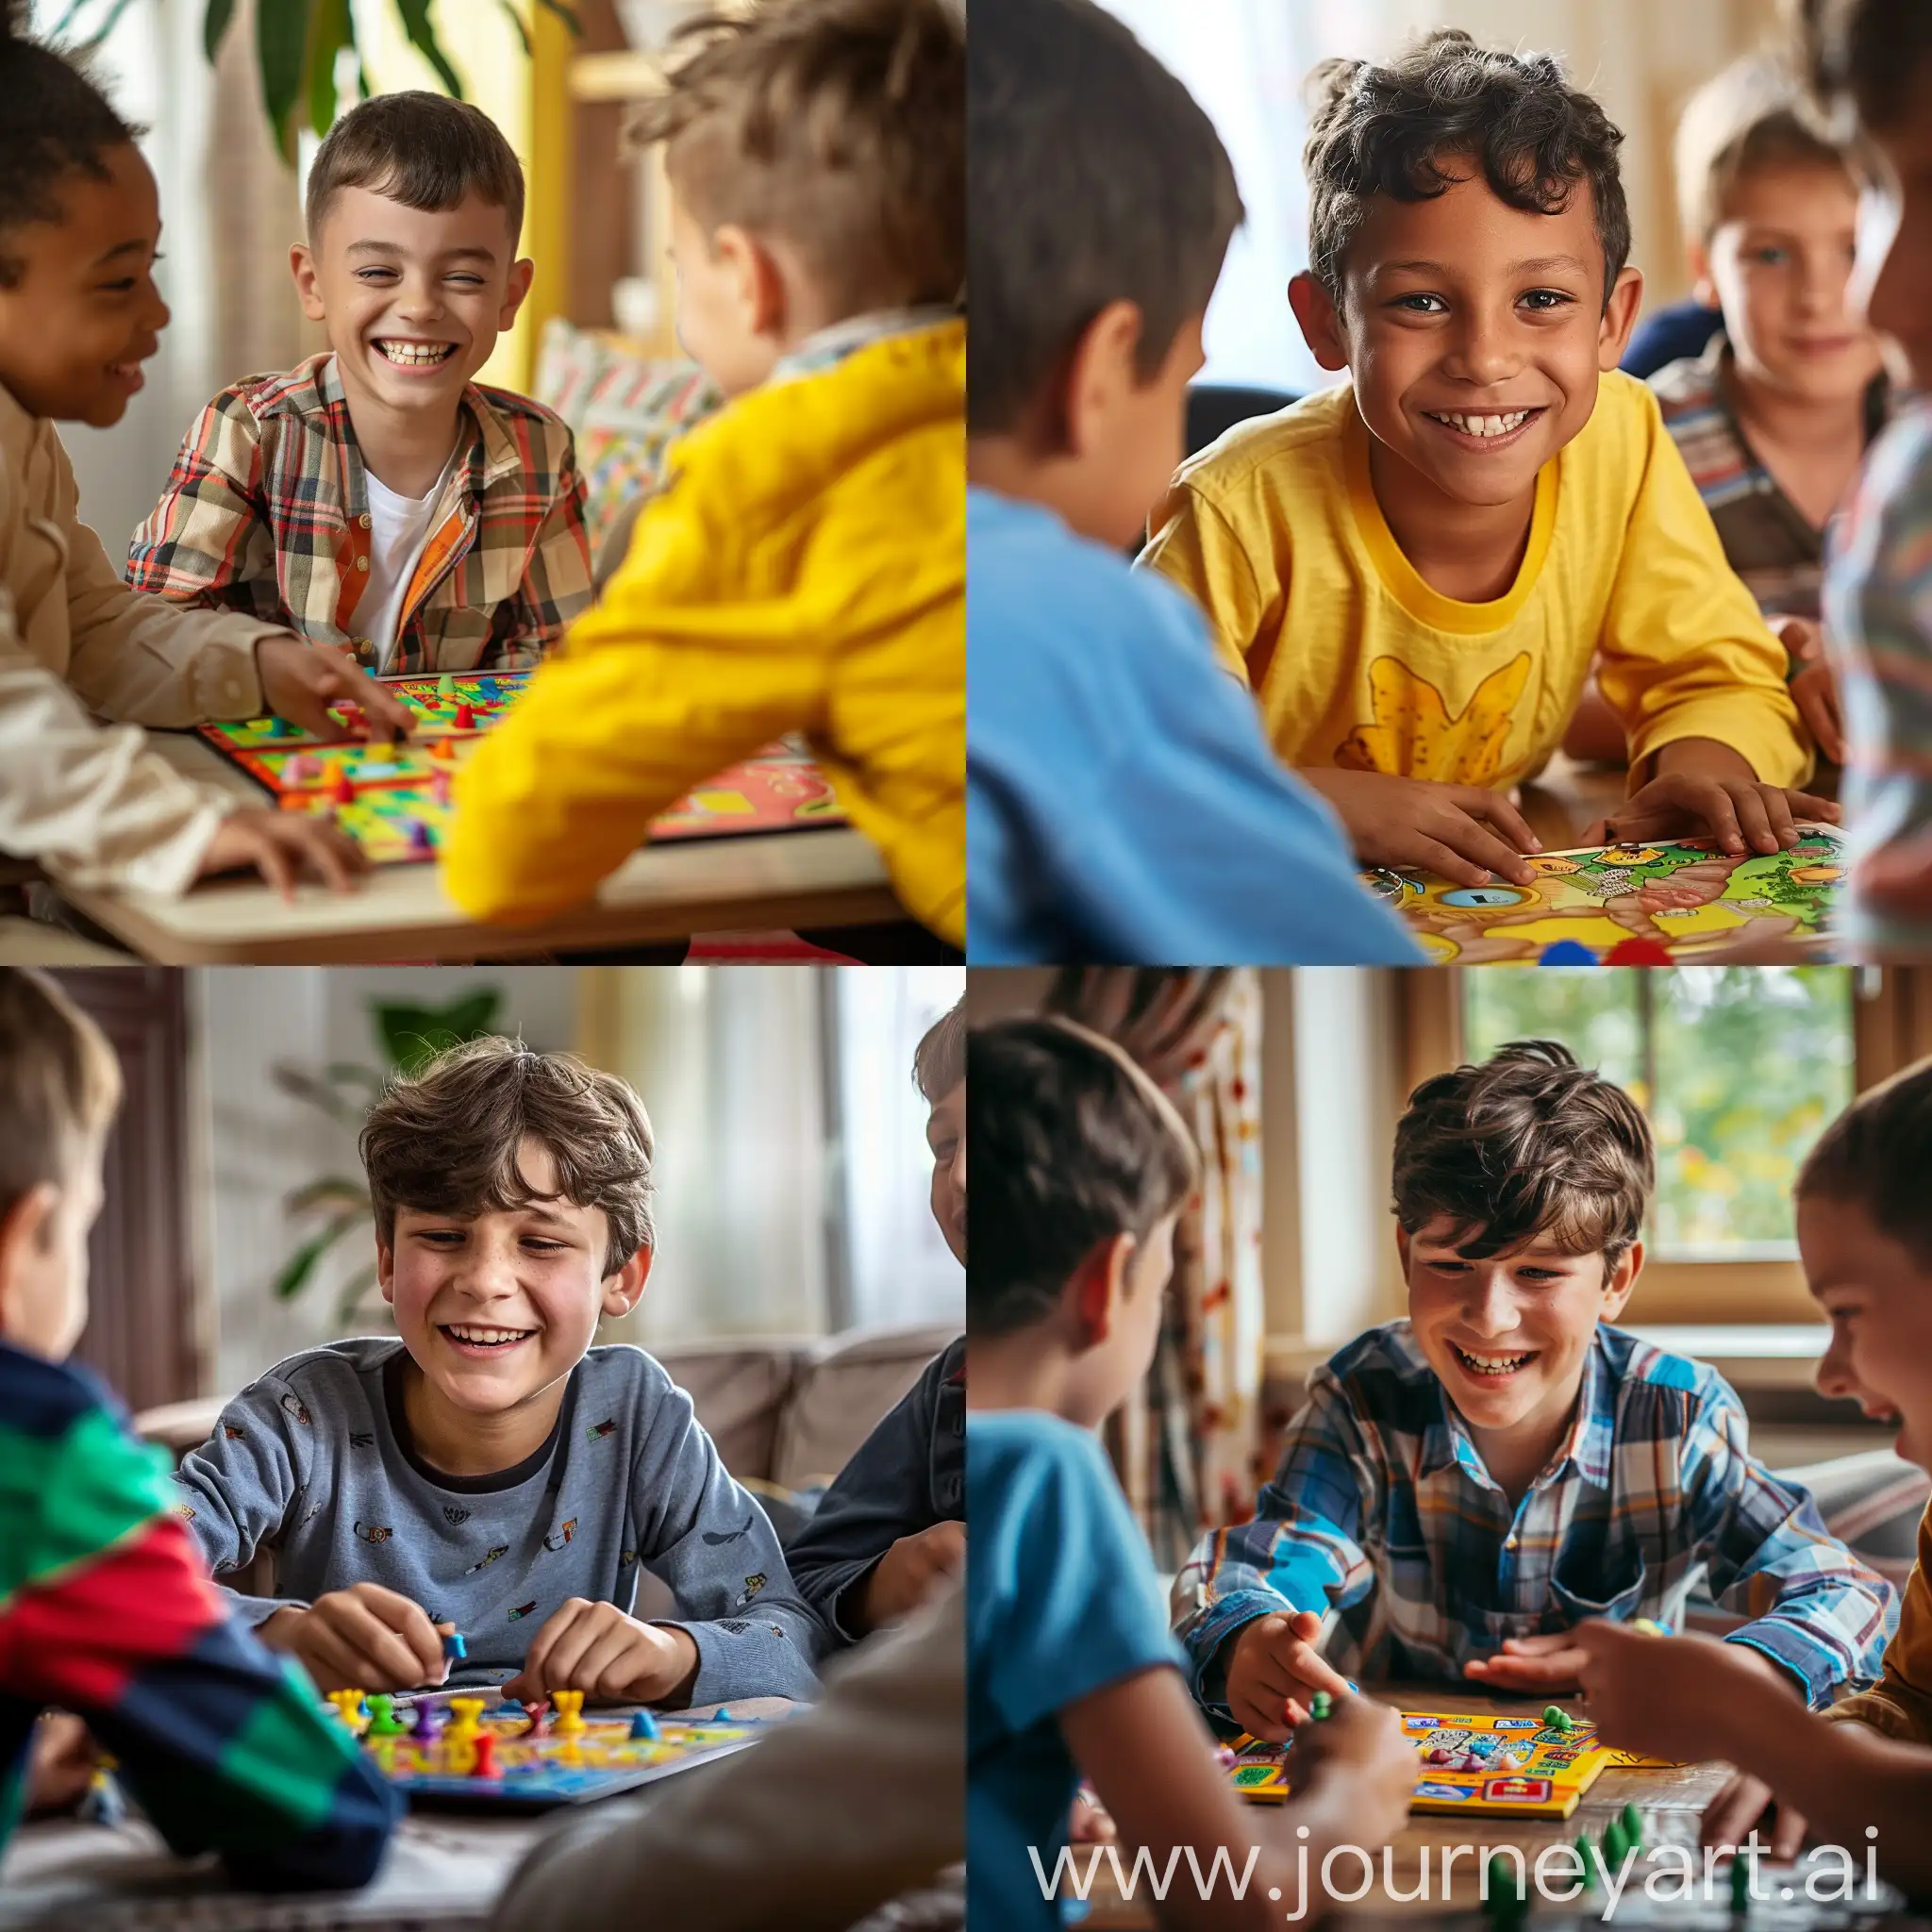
1413, 570
491, 1470
1466, 1486
375, 497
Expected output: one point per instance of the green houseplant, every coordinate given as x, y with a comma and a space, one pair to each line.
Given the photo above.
408, 1035
297, 43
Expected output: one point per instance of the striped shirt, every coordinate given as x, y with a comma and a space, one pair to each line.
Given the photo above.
1879, 623
1768, 540
1382, 1510
267, 511
105, 1610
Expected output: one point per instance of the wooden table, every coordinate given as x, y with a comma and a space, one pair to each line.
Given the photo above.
444, 1868
752, 883
1673, 1804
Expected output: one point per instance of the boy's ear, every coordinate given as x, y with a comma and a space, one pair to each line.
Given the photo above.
1314, 308
1098, 1284
522, 274
1620, 318
758, 280
386, 1271
1103, 370
624, 1290
1401, 1245
1702, 289
1620, 1280
302, 266
23, 1235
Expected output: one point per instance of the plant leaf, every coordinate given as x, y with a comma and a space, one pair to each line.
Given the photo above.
281, 40
411, 1034
565, 13
214, 28
301, 1264
300, 1084
100, 34
415, 18
331, 27
345, 1190
74, 10
516, 20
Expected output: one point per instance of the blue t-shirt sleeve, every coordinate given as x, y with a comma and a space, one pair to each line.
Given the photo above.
1063, 1598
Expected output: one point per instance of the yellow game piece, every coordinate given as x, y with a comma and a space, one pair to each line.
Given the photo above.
568, 1707
460, 1752
348, 1705
463, 1713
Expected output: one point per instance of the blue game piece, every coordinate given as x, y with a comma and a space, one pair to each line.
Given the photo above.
643, 1726
280, 727
1566, 953
453, 1646
721, 1716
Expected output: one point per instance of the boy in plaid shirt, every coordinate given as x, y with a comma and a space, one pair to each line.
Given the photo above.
374, 498
1464, 1486
104, 1606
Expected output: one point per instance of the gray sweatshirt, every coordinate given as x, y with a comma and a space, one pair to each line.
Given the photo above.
314, 1462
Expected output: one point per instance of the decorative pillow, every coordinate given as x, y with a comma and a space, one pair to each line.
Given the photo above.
625, 410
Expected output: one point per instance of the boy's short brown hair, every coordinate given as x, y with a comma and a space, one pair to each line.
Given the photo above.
1527, 1145
1750, 116
939, 1061
1876, 1155
445, 1140
1867, 54
838, 127
424, 150
1388, 130
60, 1083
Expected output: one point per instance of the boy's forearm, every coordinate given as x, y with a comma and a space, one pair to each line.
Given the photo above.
1699, 757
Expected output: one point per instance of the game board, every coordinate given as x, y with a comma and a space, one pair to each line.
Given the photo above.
394, 801
1683, 899
536, 1771
1556, 1766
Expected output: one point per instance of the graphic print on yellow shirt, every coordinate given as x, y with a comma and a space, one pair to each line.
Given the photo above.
1355, 658
1414, 737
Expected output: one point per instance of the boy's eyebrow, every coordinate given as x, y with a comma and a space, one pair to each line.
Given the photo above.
443, 254
134, 248
1535, 265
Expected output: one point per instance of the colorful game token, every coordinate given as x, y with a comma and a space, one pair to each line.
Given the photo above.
464, 1714
721, 1716
280, 727
466, 718
486, 1764
1631, 1819
383, 1721
348, 1706
1557, 1718
1638, 952
446, 685
439, 787
1567, 953
1741, 1887
1649, 1626
454, 1647
420, 838
1505, 1900
341, 788
1318, 1705
643, 1726
1583, 1851
568, 1721
1615, 1846
442, 748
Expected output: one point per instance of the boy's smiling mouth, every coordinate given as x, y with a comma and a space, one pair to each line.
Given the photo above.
1493, 1368
405, 353
1483, 428
482, 1337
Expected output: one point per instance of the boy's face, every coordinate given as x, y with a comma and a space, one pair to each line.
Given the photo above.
945, 1134
1508, 1337
85, 314
1893, 283
730, 302
43, 1259
496, 1308
1779, 265
414, 298
1463, 308
1879, 1303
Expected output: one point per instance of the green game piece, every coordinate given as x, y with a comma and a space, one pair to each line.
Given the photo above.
280, 727
1505, 1903
383, 1721
446, 685
1631, 1819
1583, 1849
1740, 1887
1556, 1717
1614, 1847
1319, 1705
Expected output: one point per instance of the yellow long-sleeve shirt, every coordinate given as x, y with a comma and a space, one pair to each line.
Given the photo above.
803, 571
1356, 661
1899, 1704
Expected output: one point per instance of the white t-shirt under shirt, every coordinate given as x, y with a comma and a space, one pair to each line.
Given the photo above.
399, 529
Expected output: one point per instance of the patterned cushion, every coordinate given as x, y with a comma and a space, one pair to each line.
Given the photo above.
625, 410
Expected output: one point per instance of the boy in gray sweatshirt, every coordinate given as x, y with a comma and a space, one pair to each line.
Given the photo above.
490, 1471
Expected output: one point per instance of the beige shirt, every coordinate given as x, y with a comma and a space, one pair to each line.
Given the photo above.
92, 804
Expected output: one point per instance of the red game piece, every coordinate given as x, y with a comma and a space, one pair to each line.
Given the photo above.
466, 718
442, 748
341, 788
1638, 952
486, 1764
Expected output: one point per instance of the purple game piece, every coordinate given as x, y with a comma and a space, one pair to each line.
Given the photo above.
425, 1720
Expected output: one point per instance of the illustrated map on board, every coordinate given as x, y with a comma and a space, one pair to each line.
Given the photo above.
534, 1758
1685, 898
394, 801
1493, 1766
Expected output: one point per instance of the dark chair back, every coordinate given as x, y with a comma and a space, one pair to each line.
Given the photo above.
1214, 409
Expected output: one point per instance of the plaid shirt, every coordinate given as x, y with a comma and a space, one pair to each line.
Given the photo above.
267, 512
1382, 1510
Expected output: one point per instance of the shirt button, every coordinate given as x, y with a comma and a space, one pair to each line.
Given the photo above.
361, 563
363, 520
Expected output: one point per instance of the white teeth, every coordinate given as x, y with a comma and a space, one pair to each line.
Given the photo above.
1482, 425
417, 354
1494, 1364
486, 1335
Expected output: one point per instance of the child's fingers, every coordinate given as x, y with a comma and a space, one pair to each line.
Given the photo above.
570, 1633
1498, 811
1473, 839
1431, 854
1719, 811
1765, 817
537, 1659
408, 1622
327, 853
1808, 804
385, 714
613, 1664
1788, 1833
1738, 1804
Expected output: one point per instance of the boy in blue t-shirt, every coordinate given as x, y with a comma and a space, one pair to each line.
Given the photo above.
1082, 1166
1121, 801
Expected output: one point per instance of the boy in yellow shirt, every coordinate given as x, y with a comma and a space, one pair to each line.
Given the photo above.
1413, 570
803, 569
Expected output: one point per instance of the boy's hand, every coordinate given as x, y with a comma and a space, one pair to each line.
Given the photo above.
1548, 1662
1669, 1696
364, 1637
1742, 1805
300, 682
611, 1658
1363, 1741
1702, 787
60, 1762
1273, 1662
1813, 688
908, 1572
1463, 832
281, 846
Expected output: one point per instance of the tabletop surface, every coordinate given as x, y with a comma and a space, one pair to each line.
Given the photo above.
751, 882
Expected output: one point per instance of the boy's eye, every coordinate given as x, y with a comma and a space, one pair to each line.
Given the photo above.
1543, 300
1412, 305
1771, 254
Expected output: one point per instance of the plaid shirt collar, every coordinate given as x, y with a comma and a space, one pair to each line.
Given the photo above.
830, 347
1585, 1450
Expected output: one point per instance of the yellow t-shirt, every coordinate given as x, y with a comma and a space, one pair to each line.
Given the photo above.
1356, 662
1899, 1704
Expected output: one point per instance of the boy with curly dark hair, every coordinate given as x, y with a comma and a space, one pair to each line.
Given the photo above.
1413, 570
1465, 1485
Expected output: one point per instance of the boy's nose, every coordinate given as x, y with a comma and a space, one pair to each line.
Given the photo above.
1833, 1377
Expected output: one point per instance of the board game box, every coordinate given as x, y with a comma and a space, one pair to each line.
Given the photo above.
1685, 899
1494, 1766
393, 801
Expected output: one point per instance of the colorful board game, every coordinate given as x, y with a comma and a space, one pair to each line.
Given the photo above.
393, 801
1675, 902
1493, 1766
474, 1752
